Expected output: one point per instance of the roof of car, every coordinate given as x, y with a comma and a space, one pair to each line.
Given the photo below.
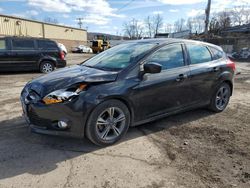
170, 40
23, 37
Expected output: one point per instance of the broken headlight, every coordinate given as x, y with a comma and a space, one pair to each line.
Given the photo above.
63, 94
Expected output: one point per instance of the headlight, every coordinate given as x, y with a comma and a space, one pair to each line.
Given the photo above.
62, 95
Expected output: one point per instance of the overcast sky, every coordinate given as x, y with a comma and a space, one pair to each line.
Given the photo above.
109, 15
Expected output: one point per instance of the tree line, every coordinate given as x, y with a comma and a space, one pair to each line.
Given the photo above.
152, 25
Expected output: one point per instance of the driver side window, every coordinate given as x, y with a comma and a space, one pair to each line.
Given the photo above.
170, 56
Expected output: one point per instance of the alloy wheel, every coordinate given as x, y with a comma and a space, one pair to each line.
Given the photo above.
110, 123
222, 98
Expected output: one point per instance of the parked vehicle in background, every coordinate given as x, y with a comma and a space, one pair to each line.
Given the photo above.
81, 49
21, 53
130, 84
243, 54
63, 48
100, 45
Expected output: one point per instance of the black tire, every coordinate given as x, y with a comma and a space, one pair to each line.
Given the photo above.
47, 67
220, 98
105, 133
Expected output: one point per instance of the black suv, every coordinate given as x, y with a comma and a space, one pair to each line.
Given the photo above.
19, 53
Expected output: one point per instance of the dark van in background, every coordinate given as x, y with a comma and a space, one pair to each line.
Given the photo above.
19, 53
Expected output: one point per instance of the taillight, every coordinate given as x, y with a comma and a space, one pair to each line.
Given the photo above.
62, 55
231, 64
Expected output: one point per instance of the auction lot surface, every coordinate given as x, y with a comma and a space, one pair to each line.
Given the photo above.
192, 149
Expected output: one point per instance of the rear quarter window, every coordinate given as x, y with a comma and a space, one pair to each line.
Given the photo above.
198, 53
47, 45
217, 54
23, 44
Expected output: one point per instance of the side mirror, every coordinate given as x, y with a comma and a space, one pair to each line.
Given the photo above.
152, 68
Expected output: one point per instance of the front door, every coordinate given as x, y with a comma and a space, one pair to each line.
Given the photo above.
166, 91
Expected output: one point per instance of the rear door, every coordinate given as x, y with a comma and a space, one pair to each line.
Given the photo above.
203, 72
24, 54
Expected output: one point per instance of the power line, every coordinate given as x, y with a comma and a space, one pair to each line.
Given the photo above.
124, 6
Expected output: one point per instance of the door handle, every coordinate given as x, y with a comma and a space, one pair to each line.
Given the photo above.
181, 77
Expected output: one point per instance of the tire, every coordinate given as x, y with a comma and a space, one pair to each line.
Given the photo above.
102, 129
220, 98
47, 67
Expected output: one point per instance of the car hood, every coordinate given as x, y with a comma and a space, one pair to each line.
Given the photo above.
68, 76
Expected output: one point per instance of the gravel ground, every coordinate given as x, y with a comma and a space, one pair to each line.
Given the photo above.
193, 149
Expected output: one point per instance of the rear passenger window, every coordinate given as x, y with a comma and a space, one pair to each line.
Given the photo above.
217, 54
45, 44
2, 44
170, 56
198, 54
23, 44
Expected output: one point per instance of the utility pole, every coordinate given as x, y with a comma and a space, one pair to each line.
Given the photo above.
207, 11
79, 22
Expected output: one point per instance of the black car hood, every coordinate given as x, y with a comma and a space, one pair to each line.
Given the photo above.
68, 76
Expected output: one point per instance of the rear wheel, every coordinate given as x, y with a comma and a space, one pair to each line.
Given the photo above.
108, 123
46, 67
220, 98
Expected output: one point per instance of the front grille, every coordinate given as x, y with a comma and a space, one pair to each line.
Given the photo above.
36, 120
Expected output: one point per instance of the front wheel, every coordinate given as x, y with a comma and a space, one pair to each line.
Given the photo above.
220, 98
108, 123
47, 67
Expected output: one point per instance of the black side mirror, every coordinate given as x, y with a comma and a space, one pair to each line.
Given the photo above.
152, 68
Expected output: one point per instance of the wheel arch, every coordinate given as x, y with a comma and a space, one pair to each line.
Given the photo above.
46, 59
118, 98
227, 77
230, 84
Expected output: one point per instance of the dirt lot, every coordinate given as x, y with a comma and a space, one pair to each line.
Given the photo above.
192, 149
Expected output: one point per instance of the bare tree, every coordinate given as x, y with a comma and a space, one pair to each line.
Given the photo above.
189, 24
179, 25
168, 28
237, 13
246, 14
157, 23
149, 26
50, 20
220, 21
133, 29
224, 19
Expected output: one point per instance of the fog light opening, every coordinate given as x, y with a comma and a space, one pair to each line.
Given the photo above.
62, 125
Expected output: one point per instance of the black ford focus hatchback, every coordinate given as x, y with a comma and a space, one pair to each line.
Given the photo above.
130, 84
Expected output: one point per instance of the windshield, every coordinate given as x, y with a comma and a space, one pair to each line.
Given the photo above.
119, 57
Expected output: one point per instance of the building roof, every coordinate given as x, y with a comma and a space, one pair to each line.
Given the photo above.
238, 29
25, 19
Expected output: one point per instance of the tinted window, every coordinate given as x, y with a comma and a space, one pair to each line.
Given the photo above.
198, 54
2, 44
47, 45
23, 44
170, 56
217, 54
